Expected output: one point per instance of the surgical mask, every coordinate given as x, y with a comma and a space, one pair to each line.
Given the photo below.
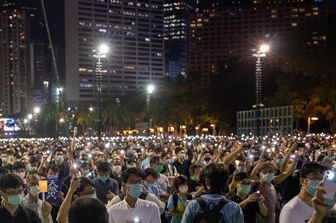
116, 168
182, 156
86, 172
267, 178
279, 161
313, 184
109, 161
4, 160
15, 200
244, 189
103, 178
183, 189
241, 169
28, 167
93, 195
159, 168
60, 158
134, 190
35, 190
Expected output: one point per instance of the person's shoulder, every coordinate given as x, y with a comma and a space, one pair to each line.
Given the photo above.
146, 203
292, 204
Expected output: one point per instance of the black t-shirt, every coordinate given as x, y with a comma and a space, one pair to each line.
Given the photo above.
250, 210
21, 215
182, 168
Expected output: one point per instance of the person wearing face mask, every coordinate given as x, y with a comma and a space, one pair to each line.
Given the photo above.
178, 201
162, 181
131, 208
11, 209
252, 203
61, 163
265, 185
182, 162
300, 208
105, 186
150, 178
32, 201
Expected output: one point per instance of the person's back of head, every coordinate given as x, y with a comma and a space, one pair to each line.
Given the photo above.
88, 210
215, 177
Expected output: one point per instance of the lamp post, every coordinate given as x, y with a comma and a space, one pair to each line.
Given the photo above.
101, 53
260, 53
150, 90
59, 91
311, 120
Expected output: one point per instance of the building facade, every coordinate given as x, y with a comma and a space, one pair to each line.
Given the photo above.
15, 21
176, 29
233, 30
133, 30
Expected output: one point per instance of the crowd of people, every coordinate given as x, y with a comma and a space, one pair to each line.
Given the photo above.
175, 179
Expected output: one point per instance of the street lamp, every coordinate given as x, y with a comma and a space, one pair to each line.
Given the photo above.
260, 53
37, 110
150, 90
311, 120
100, 53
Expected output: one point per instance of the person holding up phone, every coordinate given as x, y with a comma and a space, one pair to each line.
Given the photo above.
251, 203
320, 209
300, 208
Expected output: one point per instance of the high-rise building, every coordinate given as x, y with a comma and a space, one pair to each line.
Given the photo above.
133, 30
176, 29
16, 18
290, 27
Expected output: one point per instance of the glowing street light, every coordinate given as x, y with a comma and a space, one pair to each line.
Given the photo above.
61, 120
37, 110
91, 109
103, 49
260, 53
311, 120
30, 116
150, 88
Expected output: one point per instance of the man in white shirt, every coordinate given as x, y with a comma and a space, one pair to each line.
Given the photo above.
131, 208
300, 208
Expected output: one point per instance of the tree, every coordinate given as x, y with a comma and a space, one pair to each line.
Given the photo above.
115, 117
85, 119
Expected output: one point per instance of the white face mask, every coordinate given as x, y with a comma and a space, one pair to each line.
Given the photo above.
21, 174
116, 169
35, 191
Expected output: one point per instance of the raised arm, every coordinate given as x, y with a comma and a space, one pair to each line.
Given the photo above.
62, 216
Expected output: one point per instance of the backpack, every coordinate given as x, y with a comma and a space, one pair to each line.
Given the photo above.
205, 215
175, 199
142, 196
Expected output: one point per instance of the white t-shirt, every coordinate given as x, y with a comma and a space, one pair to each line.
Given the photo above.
296, 211
143, 212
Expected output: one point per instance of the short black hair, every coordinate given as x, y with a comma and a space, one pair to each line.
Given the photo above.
216, 175
87, 210
241, 176
132, 171
59, 149
18, 165
54, 168
154, 159
178, 149
193, 167
103, 167
84, 181
312, 167
9, 181
180, 180
3, 171
151, 172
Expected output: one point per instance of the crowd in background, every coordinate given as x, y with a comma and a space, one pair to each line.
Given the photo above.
169, 179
